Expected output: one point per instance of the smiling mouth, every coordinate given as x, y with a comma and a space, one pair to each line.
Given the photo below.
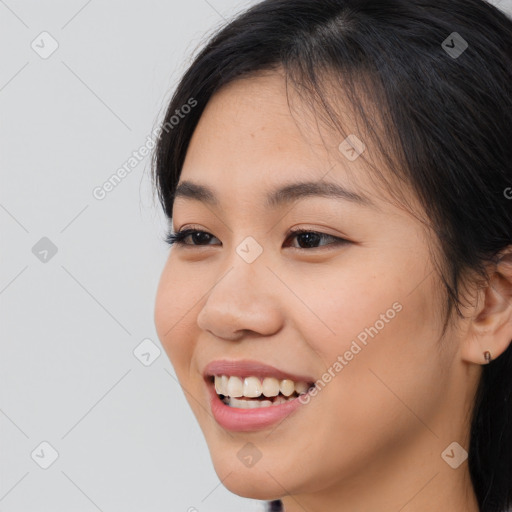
254, 392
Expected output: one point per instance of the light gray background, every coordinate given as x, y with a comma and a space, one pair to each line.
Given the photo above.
125, 437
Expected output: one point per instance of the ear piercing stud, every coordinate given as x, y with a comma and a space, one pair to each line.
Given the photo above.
487, 356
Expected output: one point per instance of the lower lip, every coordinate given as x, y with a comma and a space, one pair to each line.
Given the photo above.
246, 420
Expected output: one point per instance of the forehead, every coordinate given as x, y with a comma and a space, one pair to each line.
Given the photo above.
257, 117
256, 135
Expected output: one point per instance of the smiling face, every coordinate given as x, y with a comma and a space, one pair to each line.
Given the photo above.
353, 304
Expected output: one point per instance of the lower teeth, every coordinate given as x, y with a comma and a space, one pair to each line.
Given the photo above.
255, 403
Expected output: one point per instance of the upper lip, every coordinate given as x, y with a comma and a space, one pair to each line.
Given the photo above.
250, 368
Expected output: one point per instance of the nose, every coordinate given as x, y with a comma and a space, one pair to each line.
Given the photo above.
244, 299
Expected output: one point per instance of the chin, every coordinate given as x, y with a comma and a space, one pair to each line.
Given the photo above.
253, 483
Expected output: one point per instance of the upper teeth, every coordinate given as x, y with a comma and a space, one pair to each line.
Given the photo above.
253, 387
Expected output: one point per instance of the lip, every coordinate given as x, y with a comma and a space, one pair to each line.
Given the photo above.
250, 368
247, 420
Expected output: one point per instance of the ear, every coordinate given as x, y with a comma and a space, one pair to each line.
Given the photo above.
490, 327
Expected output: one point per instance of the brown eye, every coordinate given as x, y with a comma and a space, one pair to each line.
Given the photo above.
306, 239
310, 239
198, 237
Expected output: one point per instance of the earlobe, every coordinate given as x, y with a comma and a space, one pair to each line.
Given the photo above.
490, 329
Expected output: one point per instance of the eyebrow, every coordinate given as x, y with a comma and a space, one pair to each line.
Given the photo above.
285, 194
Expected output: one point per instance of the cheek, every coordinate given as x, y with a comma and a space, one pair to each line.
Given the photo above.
369, 302
335, 307
176, 303
378, 344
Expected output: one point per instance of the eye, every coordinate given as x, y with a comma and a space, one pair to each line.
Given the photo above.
201, 237
307, 239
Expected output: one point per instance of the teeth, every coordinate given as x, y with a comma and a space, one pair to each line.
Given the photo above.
220, 384
254, 387
235, 387
287, 387
254, 404
301, 387
270, 386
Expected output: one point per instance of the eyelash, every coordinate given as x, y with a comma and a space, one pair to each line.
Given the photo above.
179, 238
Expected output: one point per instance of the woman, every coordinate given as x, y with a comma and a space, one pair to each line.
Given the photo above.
337, 303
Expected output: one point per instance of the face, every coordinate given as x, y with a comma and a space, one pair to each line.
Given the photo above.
351, 304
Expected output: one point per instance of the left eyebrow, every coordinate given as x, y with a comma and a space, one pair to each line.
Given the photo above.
285, 194
294, 191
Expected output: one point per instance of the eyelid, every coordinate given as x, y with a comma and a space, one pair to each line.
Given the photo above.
177, 237
184, 232
291, 231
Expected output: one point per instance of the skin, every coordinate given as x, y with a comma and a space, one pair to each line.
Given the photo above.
372, 438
